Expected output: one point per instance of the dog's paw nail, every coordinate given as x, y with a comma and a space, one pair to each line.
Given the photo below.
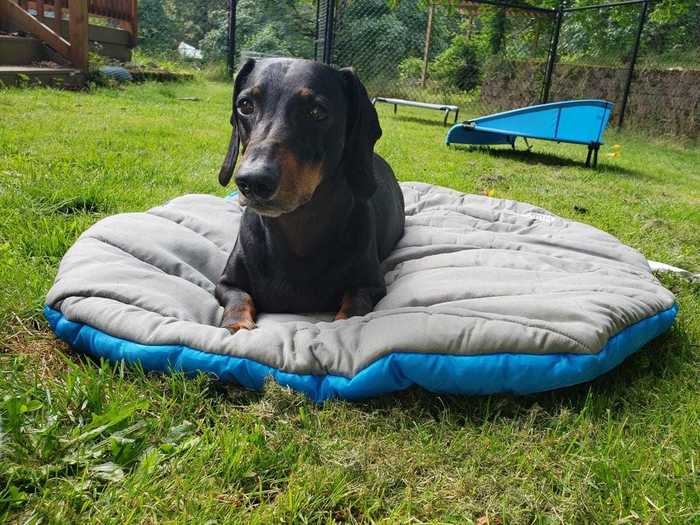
248, 325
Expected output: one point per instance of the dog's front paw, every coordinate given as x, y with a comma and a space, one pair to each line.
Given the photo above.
240, 316
242, 324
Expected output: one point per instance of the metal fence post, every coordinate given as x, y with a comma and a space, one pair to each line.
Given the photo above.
328, 32
316, 31
552, 53
633, 61
231, 38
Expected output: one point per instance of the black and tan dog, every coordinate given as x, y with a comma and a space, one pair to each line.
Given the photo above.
321, 209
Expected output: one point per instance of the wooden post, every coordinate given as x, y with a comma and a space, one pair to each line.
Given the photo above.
134, 22
426, 50
4, 16
57, 15
78, 31
39, 8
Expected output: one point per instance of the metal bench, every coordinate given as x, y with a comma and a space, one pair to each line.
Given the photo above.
446, 108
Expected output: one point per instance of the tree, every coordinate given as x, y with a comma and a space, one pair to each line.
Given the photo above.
157, 32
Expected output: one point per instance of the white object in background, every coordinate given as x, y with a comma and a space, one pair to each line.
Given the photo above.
663, 267
188, 51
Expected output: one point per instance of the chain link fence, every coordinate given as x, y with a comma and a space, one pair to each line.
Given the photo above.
490, 55
595, 51
435, 52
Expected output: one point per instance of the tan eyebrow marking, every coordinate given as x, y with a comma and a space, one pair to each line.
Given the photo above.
256, 91
306, 92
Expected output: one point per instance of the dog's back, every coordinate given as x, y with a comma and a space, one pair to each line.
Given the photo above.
388, 205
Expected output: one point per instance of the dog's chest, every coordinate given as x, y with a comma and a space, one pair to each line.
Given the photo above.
284, 292
285, 282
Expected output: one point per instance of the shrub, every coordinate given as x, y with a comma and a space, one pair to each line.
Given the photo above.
156, 29
215, 42
458, 66
410, 69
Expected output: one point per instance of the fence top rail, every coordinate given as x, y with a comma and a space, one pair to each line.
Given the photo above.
604, 6
548, 10
510, 5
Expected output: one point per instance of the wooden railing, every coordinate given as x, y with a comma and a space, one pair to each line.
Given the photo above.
123, 11
75, 48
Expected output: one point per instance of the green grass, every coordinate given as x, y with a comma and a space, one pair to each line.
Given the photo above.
82, 441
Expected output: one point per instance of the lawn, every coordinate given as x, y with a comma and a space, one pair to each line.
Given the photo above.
82, 441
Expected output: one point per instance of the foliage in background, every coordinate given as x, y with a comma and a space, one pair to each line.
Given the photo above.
458, 66
497, 33
384, 40
157, 31
379, 26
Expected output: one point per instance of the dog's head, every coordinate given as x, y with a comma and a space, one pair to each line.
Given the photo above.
299, 123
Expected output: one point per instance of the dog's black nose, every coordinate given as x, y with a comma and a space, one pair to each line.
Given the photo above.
258, 183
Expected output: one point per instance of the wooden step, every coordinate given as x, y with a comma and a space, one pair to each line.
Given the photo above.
18, 50
106, 41
61, 77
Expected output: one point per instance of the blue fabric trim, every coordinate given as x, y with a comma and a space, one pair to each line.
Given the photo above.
442, 373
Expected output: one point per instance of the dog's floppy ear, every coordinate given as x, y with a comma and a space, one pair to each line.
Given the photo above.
226, 170
362, 132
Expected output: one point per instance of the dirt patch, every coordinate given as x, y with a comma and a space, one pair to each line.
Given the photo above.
40, 347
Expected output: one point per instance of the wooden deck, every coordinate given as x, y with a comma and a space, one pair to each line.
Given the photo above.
69, 38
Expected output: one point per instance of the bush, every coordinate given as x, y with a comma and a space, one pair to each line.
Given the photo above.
458, 66
156, 29
410, 69
215, 42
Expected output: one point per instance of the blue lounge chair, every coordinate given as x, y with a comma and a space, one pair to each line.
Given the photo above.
574, 121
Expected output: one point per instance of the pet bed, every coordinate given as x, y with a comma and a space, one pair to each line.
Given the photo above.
483, 295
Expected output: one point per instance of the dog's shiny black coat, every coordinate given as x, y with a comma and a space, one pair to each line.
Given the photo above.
322, 210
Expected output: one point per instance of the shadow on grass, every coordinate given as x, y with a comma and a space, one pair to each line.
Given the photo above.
532, 157
550, 159
653, 373
428, 121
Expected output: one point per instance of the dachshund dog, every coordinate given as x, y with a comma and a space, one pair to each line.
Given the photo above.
321, 209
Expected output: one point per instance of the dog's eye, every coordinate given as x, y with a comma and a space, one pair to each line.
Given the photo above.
318, 113
245, 106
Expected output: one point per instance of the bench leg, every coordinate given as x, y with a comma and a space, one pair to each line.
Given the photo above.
456, 115
447, 114
588, 158
595, 155
394, 109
